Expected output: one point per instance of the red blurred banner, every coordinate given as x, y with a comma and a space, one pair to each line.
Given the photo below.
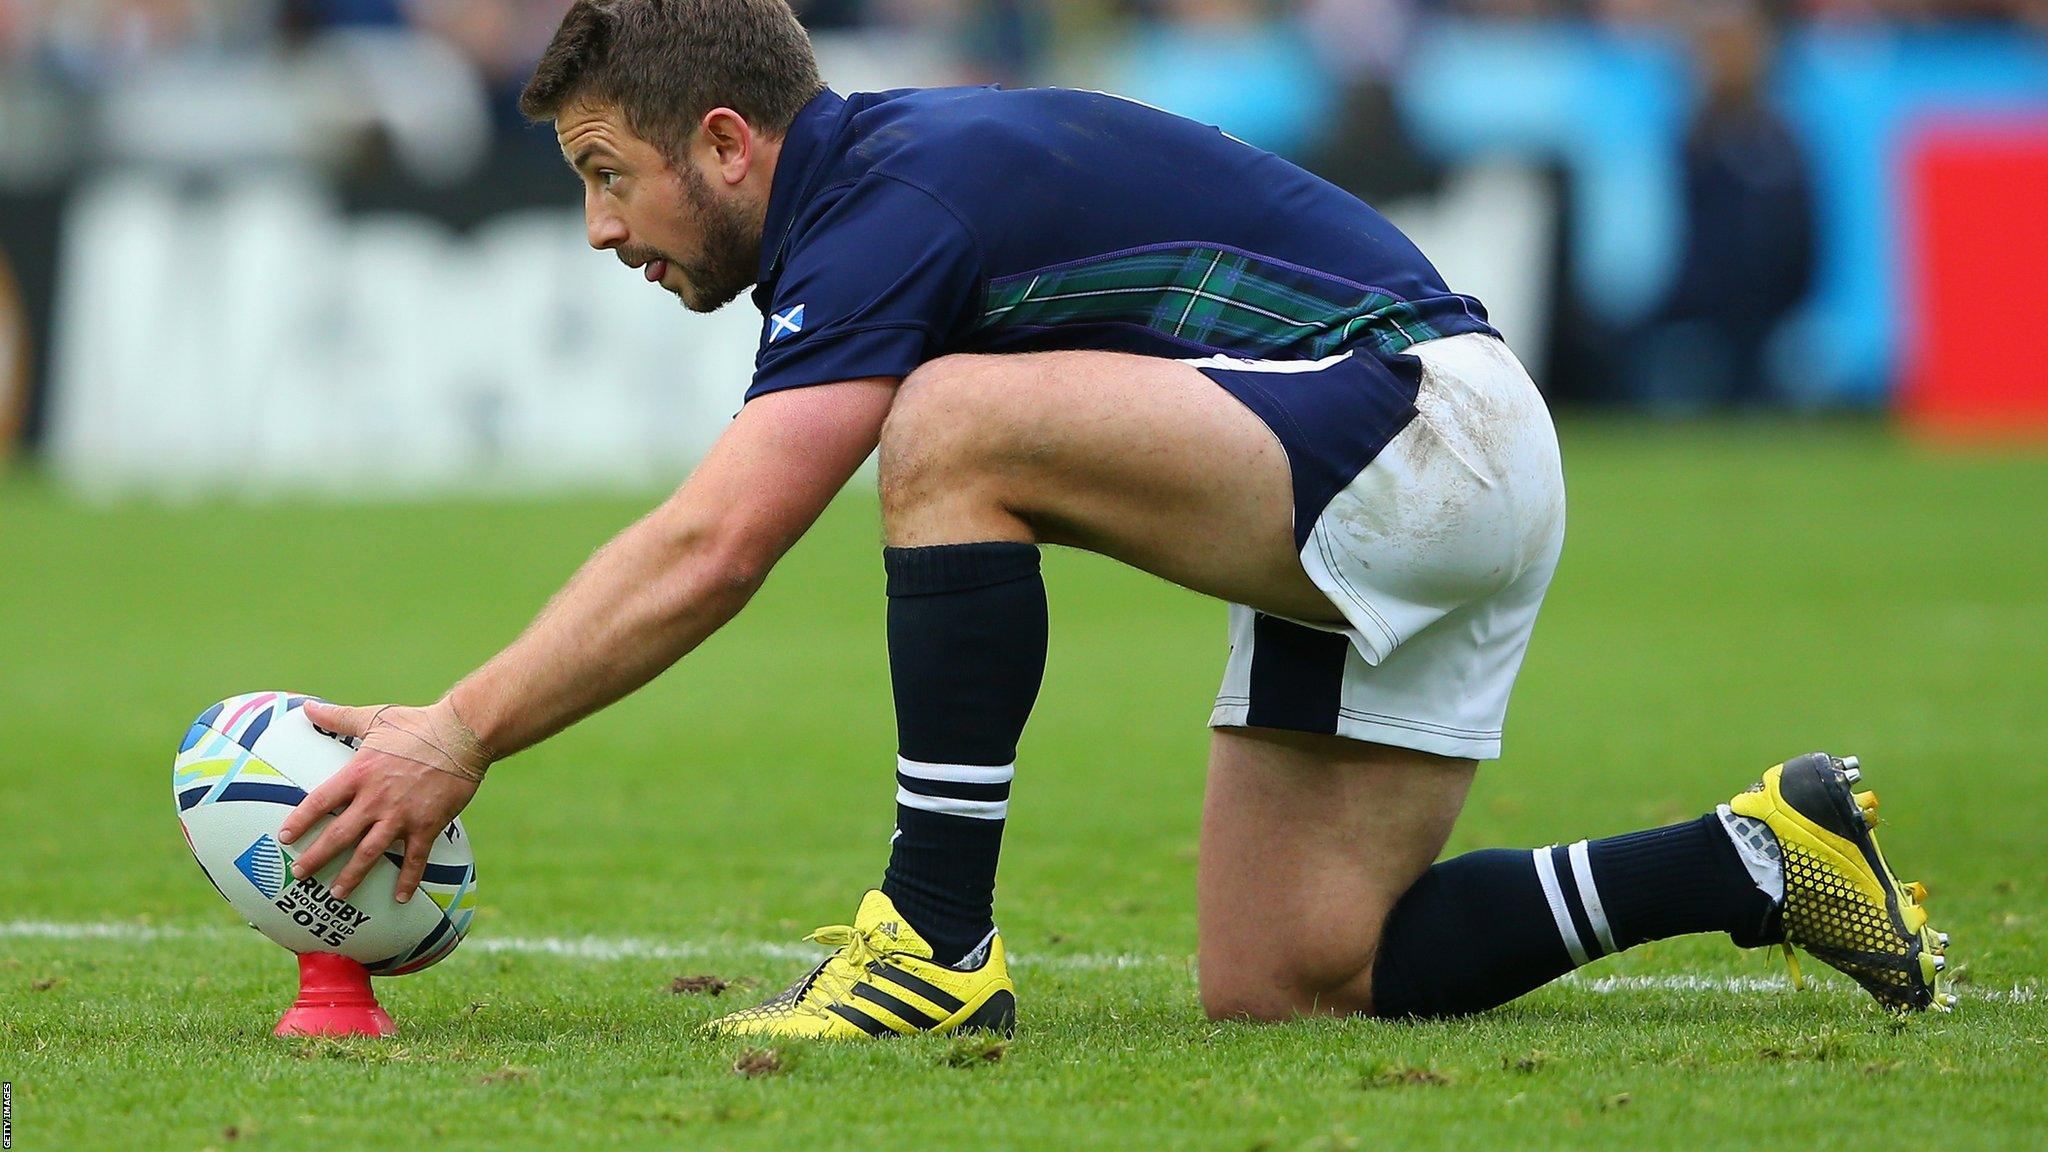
1976, 280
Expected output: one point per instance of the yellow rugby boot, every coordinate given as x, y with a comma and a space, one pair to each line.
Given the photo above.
1842, 903
882, 981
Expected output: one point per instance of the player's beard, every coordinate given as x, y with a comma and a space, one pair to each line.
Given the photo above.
731, 259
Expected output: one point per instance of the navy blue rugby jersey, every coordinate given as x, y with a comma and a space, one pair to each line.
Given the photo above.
910, 224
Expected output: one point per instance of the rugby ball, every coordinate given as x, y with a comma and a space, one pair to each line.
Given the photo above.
242, 767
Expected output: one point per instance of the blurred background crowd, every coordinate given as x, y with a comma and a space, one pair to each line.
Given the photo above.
1683, 205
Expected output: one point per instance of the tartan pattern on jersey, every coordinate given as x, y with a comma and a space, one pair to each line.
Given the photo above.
1230, 301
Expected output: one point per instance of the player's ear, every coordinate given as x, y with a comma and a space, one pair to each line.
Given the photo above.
729, 139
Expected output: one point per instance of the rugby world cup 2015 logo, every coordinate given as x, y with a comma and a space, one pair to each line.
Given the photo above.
263, 863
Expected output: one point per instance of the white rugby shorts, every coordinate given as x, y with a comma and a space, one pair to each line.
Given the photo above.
1437, 551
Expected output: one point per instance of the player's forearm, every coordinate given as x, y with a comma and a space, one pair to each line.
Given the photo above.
647, 598
658, 589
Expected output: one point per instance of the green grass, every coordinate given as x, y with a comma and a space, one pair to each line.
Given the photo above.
1731, 594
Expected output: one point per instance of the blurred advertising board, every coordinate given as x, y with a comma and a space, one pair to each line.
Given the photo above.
258, 334
1977, 240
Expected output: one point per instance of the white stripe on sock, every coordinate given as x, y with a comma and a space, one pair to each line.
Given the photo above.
1589, 896
957, 773
948, 806
1547, 873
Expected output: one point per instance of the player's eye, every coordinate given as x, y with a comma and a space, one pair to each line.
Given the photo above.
607, 178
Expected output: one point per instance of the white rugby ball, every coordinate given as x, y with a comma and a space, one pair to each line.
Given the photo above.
244, 765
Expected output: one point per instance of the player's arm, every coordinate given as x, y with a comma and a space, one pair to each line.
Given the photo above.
647, 598
668, 582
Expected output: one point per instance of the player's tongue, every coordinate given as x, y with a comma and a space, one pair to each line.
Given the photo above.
655, 270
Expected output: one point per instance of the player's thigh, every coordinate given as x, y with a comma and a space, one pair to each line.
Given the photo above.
1141, 459
1307, 842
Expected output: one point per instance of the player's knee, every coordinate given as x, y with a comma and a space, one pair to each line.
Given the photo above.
1275, 1000
1243, 1002
937, 428
943, 403
1286, 989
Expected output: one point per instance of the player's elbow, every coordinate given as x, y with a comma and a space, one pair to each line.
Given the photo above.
712, 561
732, 562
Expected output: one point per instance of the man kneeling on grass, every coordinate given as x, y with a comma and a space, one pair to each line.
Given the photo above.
1066, 318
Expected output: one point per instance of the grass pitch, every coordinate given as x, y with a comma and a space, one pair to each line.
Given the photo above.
1731, 595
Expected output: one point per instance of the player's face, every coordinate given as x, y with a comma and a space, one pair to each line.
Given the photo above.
694, 226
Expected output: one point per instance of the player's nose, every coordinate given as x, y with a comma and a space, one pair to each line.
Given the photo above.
603, 229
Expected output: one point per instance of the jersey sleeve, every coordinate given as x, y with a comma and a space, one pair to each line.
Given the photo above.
870, 287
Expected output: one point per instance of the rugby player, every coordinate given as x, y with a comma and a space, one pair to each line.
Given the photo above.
1067, 318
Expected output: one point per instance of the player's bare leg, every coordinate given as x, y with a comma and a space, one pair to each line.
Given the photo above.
1307, 843
1143, 460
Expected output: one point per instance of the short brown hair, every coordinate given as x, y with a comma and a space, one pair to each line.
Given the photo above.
665, 63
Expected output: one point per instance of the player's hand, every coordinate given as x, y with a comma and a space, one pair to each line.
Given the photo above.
414, 770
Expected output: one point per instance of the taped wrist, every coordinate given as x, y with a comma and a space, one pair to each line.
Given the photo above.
448, 747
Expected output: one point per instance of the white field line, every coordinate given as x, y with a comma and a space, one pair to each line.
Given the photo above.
598, 948
1737, 984
614, 948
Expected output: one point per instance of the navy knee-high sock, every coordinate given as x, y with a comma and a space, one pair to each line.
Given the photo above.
1479, 930
967, 636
